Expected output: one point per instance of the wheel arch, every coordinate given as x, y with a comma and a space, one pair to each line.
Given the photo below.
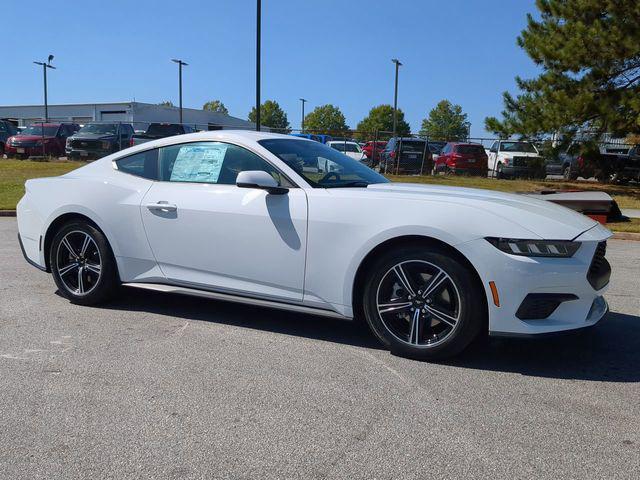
402, 241
57, 223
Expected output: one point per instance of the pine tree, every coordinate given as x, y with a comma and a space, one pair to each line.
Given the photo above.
589, 52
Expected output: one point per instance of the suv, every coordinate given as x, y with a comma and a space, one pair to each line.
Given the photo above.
40, 139
7, 129
462, 158
406, 155
96, 140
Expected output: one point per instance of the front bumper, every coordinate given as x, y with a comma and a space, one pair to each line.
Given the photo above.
31, 151
511, 171
79, 154
516, 277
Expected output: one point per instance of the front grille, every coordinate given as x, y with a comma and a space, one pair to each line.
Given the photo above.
24, 143
523, 161
599, 270
538, 306
86, 144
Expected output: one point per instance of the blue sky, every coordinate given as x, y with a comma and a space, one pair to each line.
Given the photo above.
327, 51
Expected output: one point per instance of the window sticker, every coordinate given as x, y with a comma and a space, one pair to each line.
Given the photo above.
198, 163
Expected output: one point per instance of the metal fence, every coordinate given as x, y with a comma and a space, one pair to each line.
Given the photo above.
411, 153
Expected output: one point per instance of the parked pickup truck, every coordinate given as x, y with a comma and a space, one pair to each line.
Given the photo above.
580, 162
512, 158
160, 130
97, 140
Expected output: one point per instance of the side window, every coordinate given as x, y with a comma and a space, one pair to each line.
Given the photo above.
143, 164
494, 147
211, 162
3, 127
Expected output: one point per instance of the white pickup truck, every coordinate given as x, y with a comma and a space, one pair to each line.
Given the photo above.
513, 158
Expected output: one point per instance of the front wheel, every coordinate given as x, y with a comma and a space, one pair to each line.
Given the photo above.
423, 303
82, 264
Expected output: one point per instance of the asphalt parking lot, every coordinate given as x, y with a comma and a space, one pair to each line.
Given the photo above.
154, 386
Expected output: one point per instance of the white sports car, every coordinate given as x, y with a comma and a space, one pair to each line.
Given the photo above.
286, 222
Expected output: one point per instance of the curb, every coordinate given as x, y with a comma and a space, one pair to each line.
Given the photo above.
616, 235
626, 236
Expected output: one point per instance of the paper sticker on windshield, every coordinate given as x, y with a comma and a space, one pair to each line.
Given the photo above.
198, 163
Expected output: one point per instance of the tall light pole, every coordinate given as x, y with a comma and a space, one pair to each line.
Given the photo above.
180, 65
395, 97
258, 24
303, 102
44, 71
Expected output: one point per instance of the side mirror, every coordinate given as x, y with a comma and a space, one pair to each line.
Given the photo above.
261, 180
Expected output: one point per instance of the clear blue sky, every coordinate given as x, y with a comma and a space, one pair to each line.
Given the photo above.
328, 51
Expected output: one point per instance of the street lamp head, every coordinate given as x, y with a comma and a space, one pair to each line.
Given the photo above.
396, 61
50, 59
303, 100
179, 62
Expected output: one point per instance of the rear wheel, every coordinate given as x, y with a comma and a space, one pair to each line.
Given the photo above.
499, 173
82, 264
423, 303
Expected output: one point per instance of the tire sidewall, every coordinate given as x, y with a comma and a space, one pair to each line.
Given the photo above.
109, 277
473, 309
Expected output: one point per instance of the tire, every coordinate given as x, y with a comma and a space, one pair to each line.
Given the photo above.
568, 174
432, 327
79, 251
499, 174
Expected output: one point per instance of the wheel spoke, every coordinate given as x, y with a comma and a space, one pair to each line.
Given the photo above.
68, 246
93, 268
434, 282
80, 281
393, 307
85, 244
64, 270
404, 280
414, 334
443, 317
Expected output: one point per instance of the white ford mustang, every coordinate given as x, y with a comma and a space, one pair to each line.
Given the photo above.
290, 223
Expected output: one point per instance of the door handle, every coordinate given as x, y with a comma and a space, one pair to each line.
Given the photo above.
164, 206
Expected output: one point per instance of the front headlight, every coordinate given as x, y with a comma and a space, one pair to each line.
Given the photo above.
106, 145
535, 248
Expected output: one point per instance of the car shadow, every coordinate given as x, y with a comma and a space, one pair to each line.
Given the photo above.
608, 352
246, 316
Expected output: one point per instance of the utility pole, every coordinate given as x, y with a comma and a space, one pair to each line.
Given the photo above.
303, 102
395, 97
46, 65
258, 22
180, 65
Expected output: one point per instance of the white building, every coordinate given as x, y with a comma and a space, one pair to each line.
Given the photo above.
136, 113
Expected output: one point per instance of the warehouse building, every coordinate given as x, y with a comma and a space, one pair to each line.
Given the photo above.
137, 113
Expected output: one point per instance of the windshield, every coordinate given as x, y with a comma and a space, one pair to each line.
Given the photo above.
105, 129
49, 131
345, 147
518, 147
322, 166
467, 149
412, 146
162, 129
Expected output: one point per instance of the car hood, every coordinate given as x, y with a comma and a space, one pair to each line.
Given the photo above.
93, 136
30, 138
518, 154
545, 219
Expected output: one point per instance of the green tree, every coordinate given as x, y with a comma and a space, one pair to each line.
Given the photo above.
380, 119
166, 103
445, 122
589, 54
215, 106
271, 115
325, 118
